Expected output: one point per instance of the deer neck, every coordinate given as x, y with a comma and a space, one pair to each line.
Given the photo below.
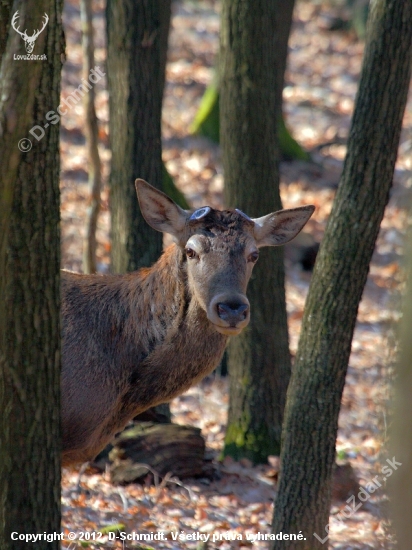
190, 348
158, 293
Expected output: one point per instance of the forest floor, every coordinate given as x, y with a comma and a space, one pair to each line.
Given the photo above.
321, 84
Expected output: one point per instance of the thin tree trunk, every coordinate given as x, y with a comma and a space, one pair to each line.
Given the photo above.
137, 41
400, 482
92, 140
259, 360
30, 293
312, 410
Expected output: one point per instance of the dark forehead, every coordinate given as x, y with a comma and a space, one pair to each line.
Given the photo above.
223, 221
228, 225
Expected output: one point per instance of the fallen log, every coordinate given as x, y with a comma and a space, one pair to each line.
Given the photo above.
165, 448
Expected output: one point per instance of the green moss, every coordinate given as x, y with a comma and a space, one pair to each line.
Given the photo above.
341, 455
172, 191
243, 442
289, 147
207, 124
206, 121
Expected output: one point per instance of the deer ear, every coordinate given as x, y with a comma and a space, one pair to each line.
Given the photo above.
159, 210
281, 227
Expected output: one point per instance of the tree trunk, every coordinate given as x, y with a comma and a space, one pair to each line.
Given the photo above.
207, 119
311, 416
283, 14
207, 123
259, 363
401, 436
16, 105
92, 140
137, 35
30, 293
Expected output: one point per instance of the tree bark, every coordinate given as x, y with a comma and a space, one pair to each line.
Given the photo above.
283, 14
137, 35
399, 483
137, 38
207, 120
312, 410
92, 140
172, 448
30, 293
16, 105
259, 363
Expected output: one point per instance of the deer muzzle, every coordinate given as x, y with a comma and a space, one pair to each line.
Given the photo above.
229, 314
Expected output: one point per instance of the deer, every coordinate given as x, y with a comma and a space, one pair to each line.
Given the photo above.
29, 41
132, 341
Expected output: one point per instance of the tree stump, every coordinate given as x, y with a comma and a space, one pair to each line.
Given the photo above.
165, 448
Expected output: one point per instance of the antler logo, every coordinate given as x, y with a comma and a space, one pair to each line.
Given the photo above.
29, 40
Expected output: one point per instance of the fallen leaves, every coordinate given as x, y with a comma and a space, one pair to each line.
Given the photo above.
321, 83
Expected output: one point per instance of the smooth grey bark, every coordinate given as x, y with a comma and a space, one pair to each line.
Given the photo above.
30, 276
315, 391
251, 85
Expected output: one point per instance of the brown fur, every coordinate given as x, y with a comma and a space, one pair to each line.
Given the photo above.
133, 341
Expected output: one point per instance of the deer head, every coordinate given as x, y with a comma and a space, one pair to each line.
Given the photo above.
221, 248
28, 40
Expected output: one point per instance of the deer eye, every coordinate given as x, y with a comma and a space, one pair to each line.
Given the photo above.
253, 257
190, 253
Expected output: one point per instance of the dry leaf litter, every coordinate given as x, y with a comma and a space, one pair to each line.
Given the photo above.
321, 83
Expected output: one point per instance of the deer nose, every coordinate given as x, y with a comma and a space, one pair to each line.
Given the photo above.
232, 312
229, 312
